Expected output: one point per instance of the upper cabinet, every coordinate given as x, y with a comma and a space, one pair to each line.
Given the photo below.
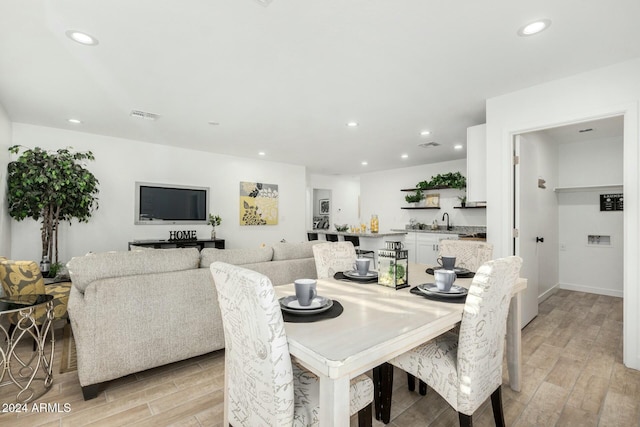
477, 163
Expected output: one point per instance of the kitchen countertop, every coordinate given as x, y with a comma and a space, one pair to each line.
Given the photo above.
380, 234
466, 230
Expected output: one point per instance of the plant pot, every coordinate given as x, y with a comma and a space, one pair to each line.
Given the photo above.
463, 204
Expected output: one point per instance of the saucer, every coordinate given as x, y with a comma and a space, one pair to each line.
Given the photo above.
318, 305
353, 274
432, 289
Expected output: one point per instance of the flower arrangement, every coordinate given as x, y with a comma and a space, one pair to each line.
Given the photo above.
214, 220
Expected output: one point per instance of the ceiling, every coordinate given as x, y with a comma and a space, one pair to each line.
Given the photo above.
286, 78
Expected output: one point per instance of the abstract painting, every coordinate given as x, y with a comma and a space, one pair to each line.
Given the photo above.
258, 203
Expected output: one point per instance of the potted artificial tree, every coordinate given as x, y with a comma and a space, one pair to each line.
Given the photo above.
50, 186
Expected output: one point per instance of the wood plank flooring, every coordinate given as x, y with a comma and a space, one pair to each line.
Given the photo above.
573, 376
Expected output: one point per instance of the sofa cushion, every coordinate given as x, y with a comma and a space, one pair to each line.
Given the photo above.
284, 251
91, 267
235, 256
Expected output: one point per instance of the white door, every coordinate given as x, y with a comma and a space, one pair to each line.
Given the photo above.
527, 223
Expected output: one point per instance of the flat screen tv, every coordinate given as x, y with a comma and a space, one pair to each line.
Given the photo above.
171, 204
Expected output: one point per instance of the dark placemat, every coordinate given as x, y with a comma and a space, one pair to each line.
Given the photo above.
460, 300
335, 311
468, 275
340, 276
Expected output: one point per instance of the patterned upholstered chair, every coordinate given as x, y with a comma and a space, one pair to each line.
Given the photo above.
333, 257
25, 278
469, 254
466, 368
264, 387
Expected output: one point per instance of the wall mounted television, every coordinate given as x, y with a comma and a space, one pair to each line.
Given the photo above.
171, 204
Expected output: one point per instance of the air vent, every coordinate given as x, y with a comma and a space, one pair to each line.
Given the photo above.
429, 144
144, 115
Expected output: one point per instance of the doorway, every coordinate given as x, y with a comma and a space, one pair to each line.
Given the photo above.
558, 183
321, 209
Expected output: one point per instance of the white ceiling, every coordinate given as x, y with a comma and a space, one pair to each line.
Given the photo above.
285, 79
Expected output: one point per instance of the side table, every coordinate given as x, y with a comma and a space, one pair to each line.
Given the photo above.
26, 374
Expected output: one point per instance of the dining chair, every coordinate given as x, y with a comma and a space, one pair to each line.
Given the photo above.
333, 257
465, 368
331, 237
312, 236
470, 254
361, 252
263, 386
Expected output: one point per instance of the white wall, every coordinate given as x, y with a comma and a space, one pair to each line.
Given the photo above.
120, 163
5, 219
603, 92
345, 197
381, 195
594, 162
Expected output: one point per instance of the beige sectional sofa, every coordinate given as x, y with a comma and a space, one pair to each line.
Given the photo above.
132, 311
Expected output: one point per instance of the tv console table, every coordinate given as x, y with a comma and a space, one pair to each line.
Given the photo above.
170, 244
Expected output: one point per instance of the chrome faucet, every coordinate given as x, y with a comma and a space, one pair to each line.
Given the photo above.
447, 215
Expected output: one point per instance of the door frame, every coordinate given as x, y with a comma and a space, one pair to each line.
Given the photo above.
631, 216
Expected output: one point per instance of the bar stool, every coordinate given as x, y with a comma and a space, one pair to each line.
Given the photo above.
331, 237
360, 252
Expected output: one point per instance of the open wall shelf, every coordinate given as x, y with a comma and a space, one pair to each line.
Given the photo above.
420, 207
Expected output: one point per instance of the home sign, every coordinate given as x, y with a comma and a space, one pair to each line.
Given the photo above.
183, 235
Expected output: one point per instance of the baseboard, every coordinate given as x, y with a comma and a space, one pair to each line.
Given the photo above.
548, 293
590, 290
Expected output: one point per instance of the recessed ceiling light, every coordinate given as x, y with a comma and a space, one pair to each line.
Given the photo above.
262, 153
74, 121
534, 27
405, 156
365, 163
352, 124
425, 132
82, 38
458, 146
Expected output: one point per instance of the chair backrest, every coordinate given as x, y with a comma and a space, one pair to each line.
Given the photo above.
483, 330
312, 236
258, 372
333, 257
331, 237
353, 239
22, 278
469, 254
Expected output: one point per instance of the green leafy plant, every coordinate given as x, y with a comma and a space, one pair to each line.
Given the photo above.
463, 199
414, 198
450, 180
214, 220
51, 186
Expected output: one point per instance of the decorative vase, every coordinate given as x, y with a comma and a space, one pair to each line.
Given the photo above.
213, 233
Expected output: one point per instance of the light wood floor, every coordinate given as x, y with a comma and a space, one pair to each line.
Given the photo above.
573, 376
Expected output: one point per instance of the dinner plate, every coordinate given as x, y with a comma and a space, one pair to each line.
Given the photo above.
458, 270
305, 311
353, 274
292, 303
432, 289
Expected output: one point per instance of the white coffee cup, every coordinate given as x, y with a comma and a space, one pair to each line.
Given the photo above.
444, 279
305, 291
362, 266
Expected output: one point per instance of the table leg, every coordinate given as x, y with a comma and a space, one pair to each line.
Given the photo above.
514, 342
334, 401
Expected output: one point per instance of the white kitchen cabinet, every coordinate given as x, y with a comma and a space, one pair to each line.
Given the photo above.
477, 163
424, 247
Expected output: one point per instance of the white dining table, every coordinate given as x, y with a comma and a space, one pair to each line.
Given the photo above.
377, 324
